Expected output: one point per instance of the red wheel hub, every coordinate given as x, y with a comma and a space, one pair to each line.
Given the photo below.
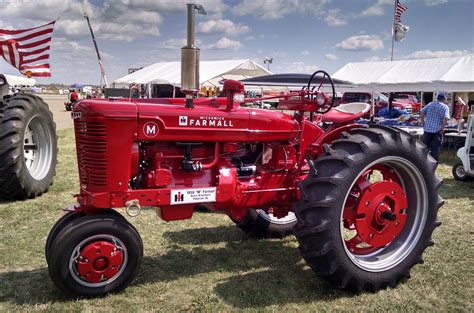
99, 261
381, 213
376, 211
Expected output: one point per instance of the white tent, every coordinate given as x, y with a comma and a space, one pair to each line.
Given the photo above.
210, 72
455, 74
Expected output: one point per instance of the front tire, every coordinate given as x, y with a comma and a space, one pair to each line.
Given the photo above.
66, 219
95, 255
28, 147
367, 214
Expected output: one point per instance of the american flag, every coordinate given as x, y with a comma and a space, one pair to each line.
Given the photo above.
399, 9
28, 49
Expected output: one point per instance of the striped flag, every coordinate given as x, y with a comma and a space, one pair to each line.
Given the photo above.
28, 49
399, 9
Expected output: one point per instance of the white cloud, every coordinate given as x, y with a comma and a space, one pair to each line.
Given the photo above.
112, 20
435, 2
361, 43
225, 44
220, 26
276, 9
70, 50
331, 56
377, 9
175, 43
373, 59
373, 11
305, 52
334, 18
296, 67
427, 54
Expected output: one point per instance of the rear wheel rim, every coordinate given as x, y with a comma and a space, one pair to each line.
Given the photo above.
269, 217
383, 257
37, 147
98, 260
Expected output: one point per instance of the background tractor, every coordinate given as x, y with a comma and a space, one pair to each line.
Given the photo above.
28, 142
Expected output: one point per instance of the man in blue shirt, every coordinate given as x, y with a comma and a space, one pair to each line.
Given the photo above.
434, 117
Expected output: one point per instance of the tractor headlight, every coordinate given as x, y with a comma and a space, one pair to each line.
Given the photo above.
321, 99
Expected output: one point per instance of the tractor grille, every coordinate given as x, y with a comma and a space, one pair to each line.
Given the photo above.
91, 147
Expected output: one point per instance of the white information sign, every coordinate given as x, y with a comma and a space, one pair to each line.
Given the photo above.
193, 195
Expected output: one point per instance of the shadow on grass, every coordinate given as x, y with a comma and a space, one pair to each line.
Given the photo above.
261, 272
452, 189
258, 273
29, 287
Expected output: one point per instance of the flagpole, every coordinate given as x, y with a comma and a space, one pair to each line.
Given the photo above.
393, 27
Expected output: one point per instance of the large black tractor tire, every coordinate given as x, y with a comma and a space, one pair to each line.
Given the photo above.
94, 255
459, 173
330, 205
260, 224
28, 147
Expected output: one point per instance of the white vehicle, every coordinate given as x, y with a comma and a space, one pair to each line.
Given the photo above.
463, 170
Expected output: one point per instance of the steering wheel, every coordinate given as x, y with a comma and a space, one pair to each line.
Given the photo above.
328, 107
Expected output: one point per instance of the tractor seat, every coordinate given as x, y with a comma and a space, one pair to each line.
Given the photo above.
346, 112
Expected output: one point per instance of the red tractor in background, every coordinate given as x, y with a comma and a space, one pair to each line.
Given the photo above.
361, 201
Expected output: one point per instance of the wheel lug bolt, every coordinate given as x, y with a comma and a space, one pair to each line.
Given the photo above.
393, 192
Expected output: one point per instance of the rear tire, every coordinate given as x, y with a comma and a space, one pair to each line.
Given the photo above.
28, 147
260, 224
334, 203
459, 173
95, 255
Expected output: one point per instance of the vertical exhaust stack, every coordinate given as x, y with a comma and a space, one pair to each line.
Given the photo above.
190, 58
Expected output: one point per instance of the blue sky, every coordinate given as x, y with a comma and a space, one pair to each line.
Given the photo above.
301, 35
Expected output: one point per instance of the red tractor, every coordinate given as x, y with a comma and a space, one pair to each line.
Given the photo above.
361, 201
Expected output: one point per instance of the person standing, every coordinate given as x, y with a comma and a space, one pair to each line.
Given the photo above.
434, 117
73, 96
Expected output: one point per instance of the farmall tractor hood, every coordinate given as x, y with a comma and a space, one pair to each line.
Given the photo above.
162, 119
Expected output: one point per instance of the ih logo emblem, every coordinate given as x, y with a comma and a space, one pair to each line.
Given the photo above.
150, 129
183, 121
179, 197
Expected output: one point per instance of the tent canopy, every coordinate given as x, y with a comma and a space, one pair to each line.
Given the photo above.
448, 74
210, 72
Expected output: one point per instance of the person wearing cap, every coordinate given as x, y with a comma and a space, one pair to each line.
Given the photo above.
434, 117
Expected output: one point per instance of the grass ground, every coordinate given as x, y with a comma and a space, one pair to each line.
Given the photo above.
206, 263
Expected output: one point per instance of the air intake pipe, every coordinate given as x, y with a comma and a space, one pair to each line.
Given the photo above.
190, 58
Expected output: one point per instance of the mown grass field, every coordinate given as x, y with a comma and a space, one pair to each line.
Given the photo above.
206, 263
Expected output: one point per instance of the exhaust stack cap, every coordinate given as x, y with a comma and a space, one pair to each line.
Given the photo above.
190, 57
